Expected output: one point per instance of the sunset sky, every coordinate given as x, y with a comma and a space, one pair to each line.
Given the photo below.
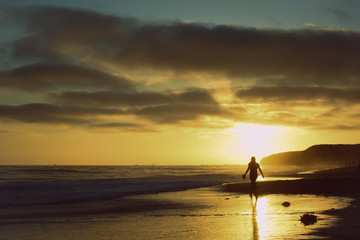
176, 82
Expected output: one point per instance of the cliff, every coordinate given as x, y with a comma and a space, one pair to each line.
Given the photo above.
339, 155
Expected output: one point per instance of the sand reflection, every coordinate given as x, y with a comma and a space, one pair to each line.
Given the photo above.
259, 217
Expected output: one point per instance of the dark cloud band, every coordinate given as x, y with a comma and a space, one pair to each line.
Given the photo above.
315, 57
84, 108
277, 94
53, 114
44, 76
122, 98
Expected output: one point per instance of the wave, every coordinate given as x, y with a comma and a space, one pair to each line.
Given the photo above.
66, 191
53, 170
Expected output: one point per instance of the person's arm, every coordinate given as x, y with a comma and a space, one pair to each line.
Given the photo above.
261, 172
243, 176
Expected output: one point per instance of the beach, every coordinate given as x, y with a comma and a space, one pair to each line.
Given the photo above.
341, 182
202, 213
222, 211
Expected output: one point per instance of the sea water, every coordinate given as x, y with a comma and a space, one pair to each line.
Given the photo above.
23, 185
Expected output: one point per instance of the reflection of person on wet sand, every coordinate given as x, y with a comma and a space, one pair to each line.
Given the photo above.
253, 166
255, 224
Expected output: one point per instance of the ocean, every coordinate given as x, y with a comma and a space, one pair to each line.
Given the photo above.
24, 185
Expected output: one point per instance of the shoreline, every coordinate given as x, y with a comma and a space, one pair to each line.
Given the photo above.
319, 186
342, 182
336, 182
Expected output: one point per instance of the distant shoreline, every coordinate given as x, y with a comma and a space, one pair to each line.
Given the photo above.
339, 155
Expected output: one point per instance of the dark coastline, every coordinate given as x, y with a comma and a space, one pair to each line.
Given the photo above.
342, 182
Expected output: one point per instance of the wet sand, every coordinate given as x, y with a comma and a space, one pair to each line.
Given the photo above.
204, 213
343, 182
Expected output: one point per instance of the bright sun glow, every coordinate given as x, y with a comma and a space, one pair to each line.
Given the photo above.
248, 140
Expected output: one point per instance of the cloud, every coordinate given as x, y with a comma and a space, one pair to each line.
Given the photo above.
312, 69
58, 31
73, 19
159, 107
44, 76
337, 111
122, 126
278, 94
74, 108
116, 125
52, 114
173, 113
340, 127
110, 98
122, 98
310, 56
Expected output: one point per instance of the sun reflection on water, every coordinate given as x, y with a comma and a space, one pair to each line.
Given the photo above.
260, 208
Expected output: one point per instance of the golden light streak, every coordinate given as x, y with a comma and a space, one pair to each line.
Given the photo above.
259, 220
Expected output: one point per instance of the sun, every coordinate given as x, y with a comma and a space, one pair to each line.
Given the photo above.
246, 140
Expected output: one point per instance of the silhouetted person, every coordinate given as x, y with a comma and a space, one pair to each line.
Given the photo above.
253, 166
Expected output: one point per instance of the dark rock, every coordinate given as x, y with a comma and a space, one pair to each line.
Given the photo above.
308, 219
286, 204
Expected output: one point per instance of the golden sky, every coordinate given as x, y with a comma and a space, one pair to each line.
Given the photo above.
79, 85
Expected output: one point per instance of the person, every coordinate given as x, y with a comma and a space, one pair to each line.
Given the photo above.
253, 166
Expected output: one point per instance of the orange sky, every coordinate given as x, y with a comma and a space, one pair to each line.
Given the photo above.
85, 87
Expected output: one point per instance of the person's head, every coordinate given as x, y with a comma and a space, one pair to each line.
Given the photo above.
253, 159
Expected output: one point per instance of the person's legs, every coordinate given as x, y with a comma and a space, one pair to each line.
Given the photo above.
253, 185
